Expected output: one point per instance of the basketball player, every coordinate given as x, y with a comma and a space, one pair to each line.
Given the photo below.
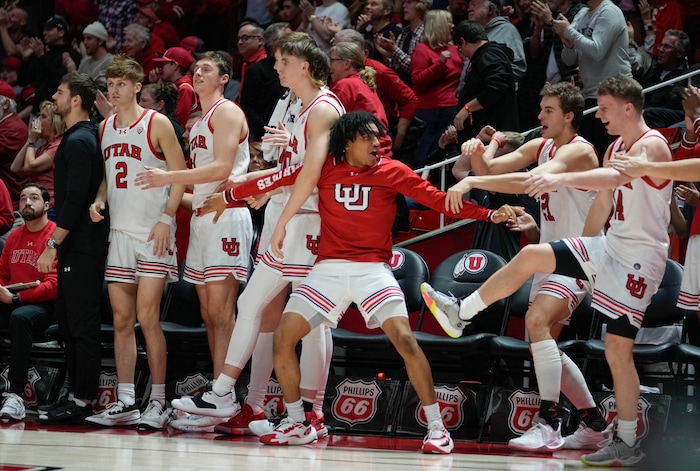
217, 256
303, 67
357, 193
141, 257
553, 297
625, 266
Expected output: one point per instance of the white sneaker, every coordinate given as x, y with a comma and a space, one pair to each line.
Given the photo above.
540, 438
196, 423
445, 308
438, 440
289, 432
262, 427
13, 407
585, 438
208, 403
116, 414
155, 417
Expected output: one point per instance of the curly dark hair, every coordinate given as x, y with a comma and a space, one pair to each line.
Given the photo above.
347, 128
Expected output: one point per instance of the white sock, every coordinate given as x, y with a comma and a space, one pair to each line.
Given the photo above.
223, 385
627, 431
545, 355
158, 393
295, 410
260, 369
573, 384
126, 392
471, 306
80, 402
432, 413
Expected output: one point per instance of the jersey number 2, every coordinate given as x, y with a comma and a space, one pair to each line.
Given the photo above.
121, 174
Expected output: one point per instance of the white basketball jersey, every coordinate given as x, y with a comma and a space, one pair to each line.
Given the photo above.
296, 149
126, 152
563, 212
639, 222
202, 153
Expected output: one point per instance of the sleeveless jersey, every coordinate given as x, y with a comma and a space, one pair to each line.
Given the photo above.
639, 222
126, 152
202, 153
563, 212
296, 149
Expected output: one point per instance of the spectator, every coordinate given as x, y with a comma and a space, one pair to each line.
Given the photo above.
192, 44
318, 20
163, 97
262, 89
499, 29
37, 162
29, 311
597, 41
163, 34
178, 13
353, 83
488, 94
9, 72
13, 135
397, 51
398, 99
663, 107
137, 46
174, 67
290, 12
435, 70
258, 162
13, 24
640, 56
114, 15
459, 9
376, 19
260, 11
7, 215
47, 61
78, 13
96, 58
251, 46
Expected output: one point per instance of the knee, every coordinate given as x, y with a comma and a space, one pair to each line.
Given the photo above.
123, 324
406, 344
537, 325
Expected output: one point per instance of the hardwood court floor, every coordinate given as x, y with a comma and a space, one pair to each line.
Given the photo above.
29, 446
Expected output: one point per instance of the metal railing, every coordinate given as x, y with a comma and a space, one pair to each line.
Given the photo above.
442, 166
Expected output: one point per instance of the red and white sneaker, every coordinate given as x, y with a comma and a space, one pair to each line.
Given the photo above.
289, 432
318, 423
438, 439
238, 424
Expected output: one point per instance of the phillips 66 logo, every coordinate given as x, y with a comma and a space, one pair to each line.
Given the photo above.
524, 407
609, 407
451, 399
356, 402
274, 404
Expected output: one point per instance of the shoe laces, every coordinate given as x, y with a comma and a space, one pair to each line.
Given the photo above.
115, 407
155, 407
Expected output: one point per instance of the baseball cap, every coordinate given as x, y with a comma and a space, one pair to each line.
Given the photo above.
190, 43
6, 90
56, 22
178, 55
97, 29
12, 62
147, 12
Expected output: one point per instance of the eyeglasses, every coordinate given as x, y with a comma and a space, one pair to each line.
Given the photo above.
666, 46
245, 37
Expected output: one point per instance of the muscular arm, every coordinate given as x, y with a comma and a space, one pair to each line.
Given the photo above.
166, 141
486, 164
599, 213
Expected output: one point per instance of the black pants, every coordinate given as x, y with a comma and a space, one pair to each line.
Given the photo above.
80, 278
24, 321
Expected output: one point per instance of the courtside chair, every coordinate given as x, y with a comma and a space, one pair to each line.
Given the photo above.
369, 351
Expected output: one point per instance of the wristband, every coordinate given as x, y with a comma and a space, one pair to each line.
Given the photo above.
471, 118
492, 213
498, 141
31, 144
165, 219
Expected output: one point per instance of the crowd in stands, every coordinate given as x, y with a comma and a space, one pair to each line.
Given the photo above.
435, 73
